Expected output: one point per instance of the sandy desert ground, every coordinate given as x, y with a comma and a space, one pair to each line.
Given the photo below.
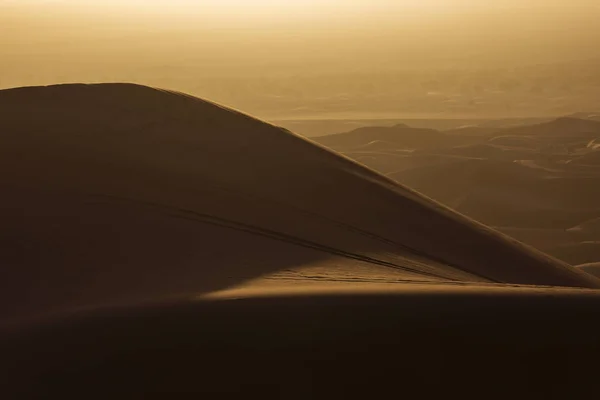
140, 225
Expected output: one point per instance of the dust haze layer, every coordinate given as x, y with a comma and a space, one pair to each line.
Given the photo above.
444, 59
120, 193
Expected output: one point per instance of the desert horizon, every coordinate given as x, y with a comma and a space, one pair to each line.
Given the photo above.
304, 59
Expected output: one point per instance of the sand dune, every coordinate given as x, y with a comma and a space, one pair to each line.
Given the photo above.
215, 254
486, 150
594, 144
503, 193
118, 193
352, 341
544, 239
592, 159
591, 227
381, 145
477, 131
390, 162
591, 268
398, 135
462, 177
527, 142
382, 161
573, 127
311, 126
578, 253
594, 116
534, 180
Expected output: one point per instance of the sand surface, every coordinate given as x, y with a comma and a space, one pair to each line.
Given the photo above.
538, 182
122, 193
156, 242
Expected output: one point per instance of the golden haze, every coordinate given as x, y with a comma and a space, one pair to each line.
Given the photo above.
274, 58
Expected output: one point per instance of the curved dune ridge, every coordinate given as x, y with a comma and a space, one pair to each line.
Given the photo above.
591, 268
120, 193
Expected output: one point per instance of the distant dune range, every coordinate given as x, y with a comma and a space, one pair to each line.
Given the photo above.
534, 182
120, 194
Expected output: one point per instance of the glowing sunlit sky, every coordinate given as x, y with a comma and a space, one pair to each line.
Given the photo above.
46, 41
422, 29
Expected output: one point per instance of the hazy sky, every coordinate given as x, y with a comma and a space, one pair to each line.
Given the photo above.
368, 32
143, 40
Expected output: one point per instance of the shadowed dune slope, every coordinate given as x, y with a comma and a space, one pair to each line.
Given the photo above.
119, 193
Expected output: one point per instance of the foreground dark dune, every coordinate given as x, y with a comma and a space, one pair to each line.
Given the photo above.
119, 193
336, 342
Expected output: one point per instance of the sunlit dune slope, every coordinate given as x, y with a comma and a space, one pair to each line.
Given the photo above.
118, 193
